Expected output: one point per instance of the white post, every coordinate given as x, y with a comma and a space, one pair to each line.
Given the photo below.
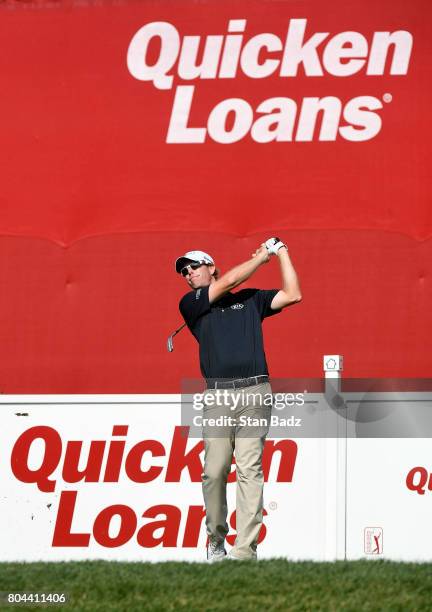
336, 457
333, 366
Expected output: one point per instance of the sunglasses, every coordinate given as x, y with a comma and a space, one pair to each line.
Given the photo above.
193, 266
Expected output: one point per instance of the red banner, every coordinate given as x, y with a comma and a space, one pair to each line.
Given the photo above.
134, 132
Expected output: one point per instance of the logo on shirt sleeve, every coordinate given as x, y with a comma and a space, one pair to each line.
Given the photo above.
237, 306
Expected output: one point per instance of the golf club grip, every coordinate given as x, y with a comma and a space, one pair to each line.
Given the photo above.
179, 329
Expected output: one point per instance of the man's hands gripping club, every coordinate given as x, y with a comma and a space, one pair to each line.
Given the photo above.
269, 247
290, 292
274, 244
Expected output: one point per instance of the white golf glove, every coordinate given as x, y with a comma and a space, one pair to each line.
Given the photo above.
273, 245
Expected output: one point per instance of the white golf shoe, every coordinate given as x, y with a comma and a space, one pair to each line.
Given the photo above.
215, 550
234, 558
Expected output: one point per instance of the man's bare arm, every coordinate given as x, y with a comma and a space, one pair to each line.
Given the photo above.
238, 274
290, 292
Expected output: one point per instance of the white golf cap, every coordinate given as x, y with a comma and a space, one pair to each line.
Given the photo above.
190, 256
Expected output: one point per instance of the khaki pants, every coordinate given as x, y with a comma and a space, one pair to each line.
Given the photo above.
245, 438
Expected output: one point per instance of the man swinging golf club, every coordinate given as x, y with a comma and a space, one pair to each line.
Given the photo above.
232, 359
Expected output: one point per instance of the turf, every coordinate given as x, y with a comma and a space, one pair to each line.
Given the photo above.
231, 585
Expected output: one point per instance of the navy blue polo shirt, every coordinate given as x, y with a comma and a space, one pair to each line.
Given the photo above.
229, 331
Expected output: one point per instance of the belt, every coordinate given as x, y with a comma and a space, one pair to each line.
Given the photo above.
238, 383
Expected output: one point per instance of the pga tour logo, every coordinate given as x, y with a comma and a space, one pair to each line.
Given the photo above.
373, 541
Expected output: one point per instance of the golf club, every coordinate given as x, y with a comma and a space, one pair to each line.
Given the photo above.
170, 344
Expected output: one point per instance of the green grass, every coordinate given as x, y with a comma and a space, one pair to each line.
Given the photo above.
230, 585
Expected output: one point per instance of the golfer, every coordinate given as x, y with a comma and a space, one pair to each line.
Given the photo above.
228, 328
